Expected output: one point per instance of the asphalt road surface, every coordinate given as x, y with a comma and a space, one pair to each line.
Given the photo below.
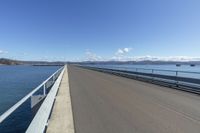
104, 103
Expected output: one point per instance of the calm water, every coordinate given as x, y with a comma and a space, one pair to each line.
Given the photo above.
162, 67
186, 68
15, 83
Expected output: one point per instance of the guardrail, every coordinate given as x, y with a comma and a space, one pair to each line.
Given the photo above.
183, 80
40, 121
44, 85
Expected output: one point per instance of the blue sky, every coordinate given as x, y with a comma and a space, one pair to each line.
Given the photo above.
99, 29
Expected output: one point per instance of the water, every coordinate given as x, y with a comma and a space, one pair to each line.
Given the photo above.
15, 83
161, 67
158, 69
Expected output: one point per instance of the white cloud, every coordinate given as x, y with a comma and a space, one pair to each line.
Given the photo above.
156, 58
122, 55
127, 49
120, 51
123, 51
3, 52
92, 56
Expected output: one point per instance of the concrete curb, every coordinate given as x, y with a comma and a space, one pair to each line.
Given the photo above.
61, 120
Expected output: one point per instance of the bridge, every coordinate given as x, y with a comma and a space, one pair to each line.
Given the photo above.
86, 100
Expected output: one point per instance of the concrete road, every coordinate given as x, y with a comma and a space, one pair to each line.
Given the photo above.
104, 103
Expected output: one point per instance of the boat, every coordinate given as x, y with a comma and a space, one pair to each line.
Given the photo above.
178, 65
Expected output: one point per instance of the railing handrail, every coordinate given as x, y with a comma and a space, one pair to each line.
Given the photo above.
182, 83
40, 120
179, 71
20, 102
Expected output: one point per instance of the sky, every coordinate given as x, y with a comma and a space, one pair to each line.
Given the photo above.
78, 30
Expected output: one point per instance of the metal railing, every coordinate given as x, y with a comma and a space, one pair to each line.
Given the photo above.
40, 121
188, 81
44, 85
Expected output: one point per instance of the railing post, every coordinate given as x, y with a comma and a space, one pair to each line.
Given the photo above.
177, 79
44, 89
152, 72
53, 78
136, 73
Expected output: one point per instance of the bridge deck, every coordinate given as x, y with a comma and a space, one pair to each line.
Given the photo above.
61, 120
104, 103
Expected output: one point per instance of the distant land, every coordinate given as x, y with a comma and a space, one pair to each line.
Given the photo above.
145, 62
5, 61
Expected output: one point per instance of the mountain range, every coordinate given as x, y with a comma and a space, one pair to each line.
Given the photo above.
5, 61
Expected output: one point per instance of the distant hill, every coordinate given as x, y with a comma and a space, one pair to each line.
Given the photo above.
4, 61
145, 62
